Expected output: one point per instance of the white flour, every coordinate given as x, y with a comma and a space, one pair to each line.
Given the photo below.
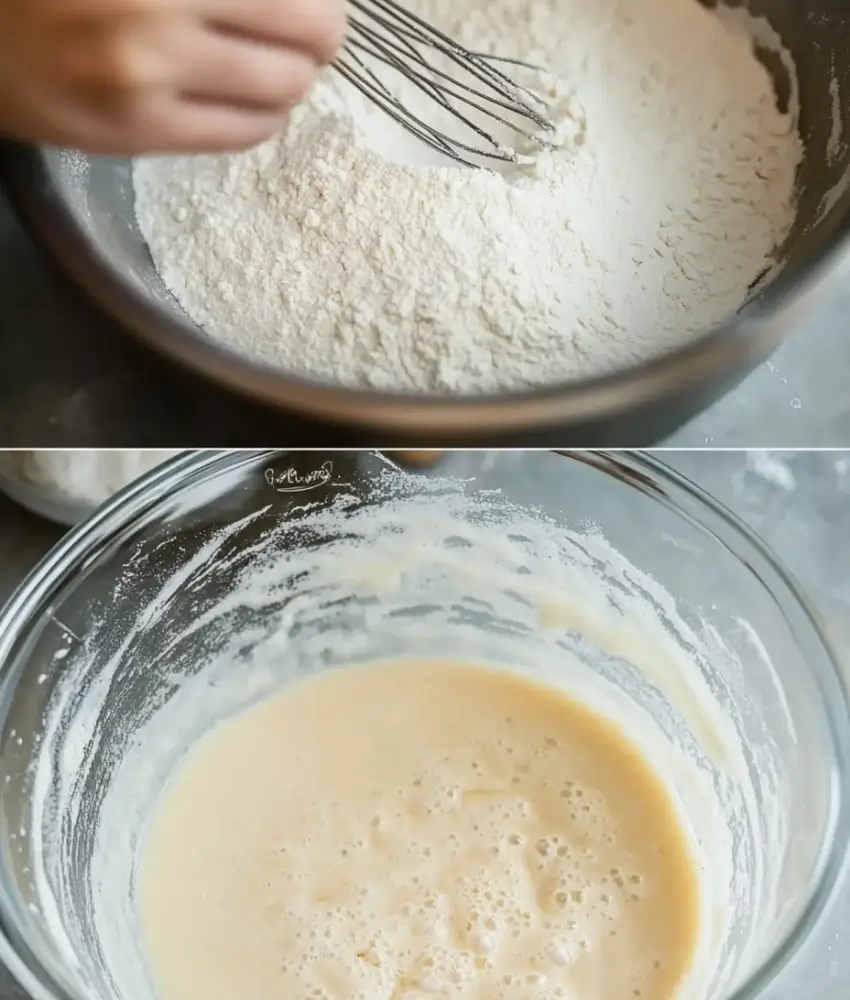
343, 252
87, 478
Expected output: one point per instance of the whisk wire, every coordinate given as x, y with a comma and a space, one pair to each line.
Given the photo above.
398, 113
415, 77
391, 34
426, 33
475, 63
451, 84
415, 126
422, 130
419, 127
382, 52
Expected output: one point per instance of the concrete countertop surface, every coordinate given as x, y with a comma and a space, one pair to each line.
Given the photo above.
799, 503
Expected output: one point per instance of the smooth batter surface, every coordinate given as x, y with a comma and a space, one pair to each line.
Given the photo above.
403, 831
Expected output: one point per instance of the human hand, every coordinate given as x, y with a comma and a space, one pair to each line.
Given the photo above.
159, 76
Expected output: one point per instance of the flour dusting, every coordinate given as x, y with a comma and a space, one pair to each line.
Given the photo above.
88, 478
343, 252
773, 468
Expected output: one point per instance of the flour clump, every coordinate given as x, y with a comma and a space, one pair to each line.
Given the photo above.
344, 252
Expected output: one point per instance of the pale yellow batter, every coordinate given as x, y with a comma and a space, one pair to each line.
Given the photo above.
417, 830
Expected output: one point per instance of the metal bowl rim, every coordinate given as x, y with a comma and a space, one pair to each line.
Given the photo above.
31, 183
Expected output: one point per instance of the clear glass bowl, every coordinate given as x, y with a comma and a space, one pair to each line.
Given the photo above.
195, 573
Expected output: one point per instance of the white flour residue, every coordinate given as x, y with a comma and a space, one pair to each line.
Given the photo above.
342, 251
85, 478
835, 145
773, 468
413, 567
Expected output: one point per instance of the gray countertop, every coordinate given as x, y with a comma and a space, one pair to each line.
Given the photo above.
800, 503
64, 366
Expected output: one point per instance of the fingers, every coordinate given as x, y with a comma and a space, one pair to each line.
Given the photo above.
182, 124
197, 127
315, 27
168, 125
129, 77
238, 71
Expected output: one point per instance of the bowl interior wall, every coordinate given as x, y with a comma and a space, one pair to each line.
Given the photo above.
99, 191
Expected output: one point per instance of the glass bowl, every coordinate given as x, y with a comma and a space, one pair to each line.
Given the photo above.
218, 578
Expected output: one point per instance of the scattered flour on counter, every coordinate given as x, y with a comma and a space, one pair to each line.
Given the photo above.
342, 251
773, 468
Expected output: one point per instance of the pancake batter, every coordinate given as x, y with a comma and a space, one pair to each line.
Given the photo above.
402, 831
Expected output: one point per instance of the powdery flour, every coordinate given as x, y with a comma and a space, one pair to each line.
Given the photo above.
342, 251
87, 478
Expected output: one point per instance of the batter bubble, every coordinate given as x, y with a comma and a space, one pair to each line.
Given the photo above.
421, 829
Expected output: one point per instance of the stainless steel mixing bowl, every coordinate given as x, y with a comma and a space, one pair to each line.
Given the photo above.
127, 609
81, 211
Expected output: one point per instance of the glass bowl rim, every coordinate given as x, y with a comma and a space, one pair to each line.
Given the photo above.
145, 494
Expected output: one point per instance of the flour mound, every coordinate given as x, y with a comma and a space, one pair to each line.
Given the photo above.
341, 251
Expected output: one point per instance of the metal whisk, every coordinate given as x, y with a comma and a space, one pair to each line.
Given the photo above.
384, 31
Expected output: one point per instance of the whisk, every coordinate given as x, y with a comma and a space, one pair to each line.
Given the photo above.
382, 30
